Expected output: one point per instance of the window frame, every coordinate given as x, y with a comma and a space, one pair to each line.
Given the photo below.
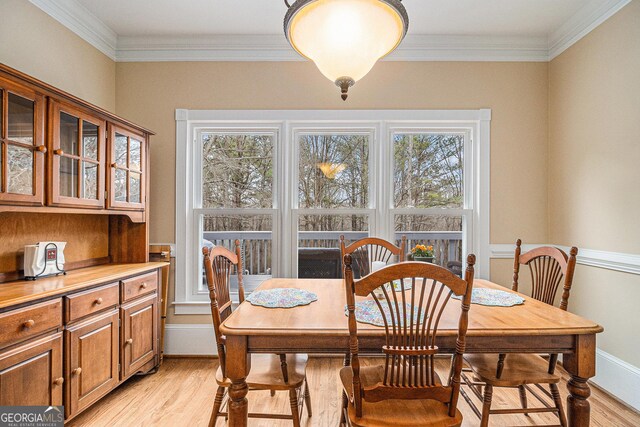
288, 125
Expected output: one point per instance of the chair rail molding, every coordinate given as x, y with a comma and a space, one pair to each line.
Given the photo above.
617, 261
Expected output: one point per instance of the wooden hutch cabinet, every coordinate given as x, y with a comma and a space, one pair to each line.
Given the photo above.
73, 172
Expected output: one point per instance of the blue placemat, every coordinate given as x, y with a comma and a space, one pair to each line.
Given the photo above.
494, 297
282, 298
367, 311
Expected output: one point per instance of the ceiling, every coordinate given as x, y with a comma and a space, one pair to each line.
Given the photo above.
135, 30
450, 17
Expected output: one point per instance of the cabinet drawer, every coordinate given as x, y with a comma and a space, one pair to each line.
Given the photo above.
22, 323
95, 300
140, 285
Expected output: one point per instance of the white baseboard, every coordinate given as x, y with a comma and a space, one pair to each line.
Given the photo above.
189, 340
618, 377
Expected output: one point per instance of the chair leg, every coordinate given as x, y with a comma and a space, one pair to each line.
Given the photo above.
217, 403
307, 398
486, 407
523, 397
558, 401
293, 399
345, 403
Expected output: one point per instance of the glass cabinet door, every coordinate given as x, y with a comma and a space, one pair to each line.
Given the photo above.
21, 145
127, 161
78, 158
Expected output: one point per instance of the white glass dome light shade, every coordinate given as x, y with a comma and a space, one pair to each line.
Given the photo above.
345, 38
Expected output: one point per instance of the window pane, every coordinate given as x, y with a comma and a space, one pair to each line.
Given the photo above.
237, 171
68, 177
120, 185
319, 244
255, 235
20, 119
121, 150
134, 188
442, 232
89, 140
69, 134
19, 170
90, 183
134, 154
428, 170
333, 171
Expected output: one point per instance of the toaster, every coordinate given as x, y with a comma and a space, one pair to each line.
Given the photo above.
44, 259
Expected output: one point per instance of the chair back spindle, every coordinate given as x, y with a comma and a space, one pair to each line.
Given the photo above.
411, 319
219, 265
365, 251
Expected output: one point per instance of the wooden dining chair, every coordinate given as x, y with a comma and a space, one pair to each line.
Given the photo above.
549, 267
369, 249
268, 371
406, 390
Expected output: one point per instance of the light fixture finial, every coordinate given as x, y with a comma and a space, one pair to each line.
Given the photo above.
344, 83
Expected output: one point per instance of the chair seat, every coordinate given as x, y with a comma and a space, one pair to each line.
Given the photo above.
519, 369
395, 412
266, 372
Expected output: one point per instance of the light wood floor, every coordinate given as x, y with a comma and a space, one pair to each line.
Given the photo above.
181, 394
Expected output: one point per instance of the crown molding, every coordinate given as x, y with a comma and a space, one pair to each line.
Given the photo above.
243, 47
582, 23
86, 25
274, 47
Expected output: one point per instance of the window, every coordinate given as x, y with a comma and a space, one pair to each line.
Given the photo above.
429, 203
287, 184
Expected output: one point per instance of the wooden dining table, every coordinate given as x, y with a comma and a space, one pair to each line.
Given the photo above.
321, 327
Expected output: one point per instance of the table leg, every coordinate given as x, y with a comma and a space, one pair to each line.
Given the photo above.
238, 364
581, 365
578, 408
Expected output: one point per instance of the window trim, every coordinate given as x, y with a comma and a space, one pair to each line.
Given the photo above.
285, 210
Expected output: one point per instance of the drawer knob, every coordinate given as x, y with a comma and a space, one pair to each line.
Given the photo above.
114, 165
58, 152
144, 285
77, 371
58, 381
29, 324
129, 341
98, 301
41, 148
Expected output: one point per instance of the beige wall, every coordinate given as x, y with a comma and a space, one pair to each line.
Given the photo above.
149, 93
34, 43
594, 175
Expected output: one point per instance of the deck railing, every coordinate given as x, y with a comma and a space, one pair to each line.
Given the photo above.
257, 248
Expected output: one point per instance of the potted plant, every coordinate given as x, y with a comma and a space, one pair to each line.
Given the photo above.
422, 253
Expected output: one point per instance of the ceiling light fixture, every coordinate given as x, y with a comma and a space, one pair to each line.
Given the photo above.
345, 38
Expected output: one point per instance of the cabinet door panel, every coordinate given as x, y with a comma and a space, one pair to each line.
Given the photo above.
139, 334
21, 145
31, 375
78, 158
92, 357
126, 180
